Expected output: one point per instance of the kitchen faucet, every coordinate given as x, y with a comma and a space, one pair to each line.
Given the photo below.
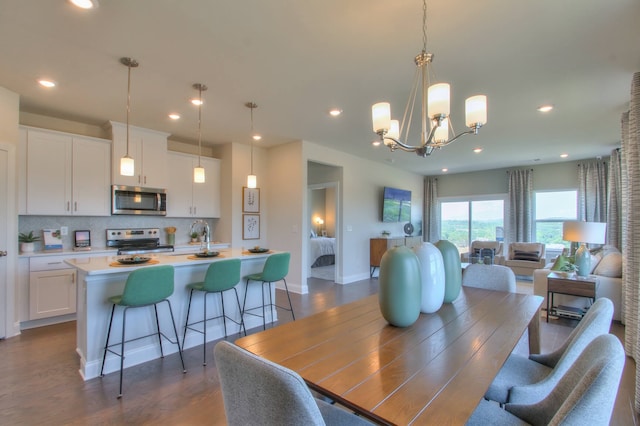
206, 232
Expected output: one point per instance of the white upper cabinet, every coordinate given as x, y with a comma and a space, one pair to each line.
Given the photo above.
148, 148
65, 174
186, 198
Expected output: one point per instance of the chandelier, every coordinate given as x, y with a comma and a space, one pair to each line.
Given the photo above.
437, 131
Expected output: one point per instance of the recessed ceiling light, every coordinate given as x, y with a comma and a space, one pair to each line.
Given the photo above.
445, 170
477, 150
85, 4
335, 112
174, 116
564, 155
375, 143
196, 102
256, 137
47, 83
545, 108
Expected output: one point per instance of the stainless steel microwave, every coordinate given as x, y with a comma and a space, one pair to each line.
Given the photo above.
138, 201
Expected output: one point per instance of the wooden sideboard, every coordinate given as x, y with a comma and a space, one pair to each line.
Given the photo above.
378, 246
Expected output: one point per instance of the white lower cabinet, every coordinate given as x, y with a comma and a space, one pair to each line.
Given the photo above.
52, 288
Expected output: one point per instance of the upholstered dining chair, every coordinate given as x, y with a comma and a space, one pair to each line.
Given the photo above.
524, 380
257, 391
585, 395
489, 277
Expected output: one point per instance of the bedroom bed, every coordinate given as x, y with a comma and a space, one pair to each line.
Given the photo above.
322, 251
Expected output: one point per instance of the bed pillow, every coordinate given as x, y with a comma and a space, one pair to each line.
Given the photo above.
610, 266
533, 256
313, 234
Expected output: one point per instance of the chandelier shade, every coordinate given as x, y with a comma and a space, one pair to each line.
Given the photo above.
435, 101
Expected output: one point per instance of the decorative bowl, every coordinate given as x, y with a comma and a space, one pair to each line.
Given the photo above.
207, 254
258, 250
133, 260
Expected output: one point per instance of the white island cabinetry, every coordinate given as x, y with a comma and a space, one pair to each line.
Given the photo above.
148, 148
186, 198
66, 174
97, 280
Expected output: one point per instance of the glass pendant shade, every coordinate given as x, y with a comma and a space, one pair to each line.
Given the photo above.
442, 132
126, 166
381, 114
476, 110
198, 174
394, 131
438, 98
252, 181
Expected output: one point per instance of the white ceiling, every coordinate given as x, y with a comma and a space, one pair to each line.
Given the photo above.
297, 59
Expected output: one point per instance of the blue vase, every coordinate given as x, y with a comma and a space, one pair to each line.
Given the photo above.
400, 286
452, 270
432, 272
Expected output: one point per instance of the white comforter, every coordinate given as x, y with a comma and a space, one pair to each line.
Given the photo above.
320, 246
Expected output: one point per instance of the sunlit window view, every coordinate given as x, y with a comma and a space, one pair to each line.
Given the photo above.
465, 221
551, 210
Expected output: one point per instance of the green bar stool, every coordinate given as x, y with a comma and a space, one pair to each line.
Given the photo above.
275, 269
144, 287
221, 276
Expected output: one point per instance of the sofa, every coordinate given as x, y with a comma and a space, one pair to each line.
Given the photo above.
523, 258
606, 267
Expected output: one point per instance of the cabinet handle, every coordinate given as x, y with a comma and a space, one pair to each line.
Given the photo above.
139, 179
190, 210
54, 263
194, 210
68, 205
75, 206
145, 180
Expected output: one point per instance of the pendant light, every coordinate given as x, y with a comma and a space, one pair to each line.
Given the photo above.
252, 180
127, 165
198, 172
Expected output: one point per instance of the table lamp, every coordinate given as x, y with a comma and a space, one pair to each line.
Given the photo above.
583, 233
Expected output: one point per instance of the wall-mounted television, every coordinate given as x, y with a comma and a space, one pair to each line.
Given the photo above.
396, 205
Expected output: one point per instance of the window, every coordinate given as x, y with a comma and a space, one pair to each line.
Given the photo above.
469, 220
552, 208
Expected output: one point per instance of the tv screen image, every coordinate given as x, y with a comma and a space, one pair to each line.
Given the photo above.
396, 205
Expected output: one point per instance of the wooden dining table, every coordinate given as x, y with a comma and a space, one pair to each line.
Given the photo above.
435, 371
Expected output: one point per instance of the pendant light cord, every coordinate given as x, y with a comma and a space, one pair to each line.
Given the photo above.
252, 107
199, 124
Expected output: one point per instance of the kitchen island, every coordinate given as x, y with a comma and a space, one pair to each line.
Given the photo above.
99, 279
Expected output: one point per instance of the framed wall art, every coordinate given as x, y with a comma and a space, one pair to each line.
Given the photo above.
250, 226
250, 200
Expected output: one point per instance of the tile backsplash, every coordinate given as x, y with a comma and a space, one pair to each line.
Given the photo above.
99, 225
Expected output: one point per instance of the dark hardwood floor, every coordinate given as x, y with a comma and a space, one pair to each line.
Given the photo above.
40, 384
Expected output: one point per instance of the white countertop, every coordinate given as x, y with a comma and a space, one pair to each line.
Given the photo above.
97, 265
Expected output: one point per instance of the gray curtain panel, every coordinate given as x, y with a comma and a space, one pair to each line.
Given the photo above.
614, 206
431, 211
631, 227
520, 206
592, 191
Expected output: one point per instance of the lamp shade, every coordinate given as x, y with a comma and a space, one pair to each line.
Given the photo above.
476, 110
198, 174
252, 181
381, 116
394, 130
441, 134
126, 166
584, 232
439, 96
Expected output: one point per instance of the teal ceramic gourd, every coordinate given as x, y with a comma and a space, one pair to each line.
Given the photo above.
400, 286
452, 270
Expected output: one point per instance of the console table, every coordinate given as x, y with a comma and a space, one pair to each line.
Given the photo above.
572, 286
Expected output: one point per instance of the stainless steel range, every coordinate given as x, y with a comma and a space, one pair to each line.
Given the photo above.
136, 241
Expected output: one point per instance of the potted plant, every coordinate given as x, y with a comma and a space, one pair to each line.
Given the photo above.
194, 237
26, 241
569, 269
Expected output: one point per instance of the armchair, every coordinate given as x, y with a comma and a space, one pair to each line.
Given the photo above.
524, 258
478, 245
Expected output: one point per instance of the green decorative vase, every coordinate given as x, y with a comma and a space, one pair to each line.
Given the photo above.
452, 270
400, 286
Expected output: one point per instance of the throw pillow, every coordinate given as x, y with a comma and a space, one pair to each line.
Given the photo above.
610, 266
532, 256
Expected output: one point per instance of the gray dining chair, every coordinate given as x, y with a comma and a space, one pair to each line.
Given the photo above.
525, 380
257, 391
489, 277
585, 395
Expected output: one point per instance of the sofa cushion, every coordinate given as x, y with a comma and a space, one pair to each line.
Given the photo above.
532, 256
610, 266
